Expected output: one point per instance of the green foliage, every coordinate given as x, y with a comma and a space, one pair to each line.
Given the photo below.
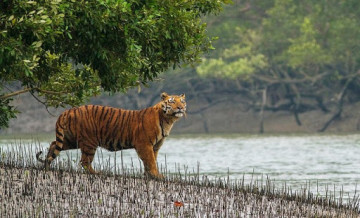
305, 50
7, 112
288, 52
67, 51
70, 86
289, 38
240, 60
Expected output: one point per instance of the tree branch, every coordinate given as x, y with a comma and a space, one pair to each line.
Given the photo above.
9, 95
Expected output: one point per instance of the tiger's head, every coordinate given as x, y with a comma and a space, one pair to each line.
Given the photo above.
173, 105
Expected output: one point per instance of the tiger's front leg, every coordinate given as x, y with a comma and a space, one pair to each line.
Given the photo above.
146, 154
157, 147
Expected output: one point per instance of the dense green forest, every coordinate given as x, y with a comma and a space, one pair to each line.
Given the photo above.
269, 56
289, 55
67, 51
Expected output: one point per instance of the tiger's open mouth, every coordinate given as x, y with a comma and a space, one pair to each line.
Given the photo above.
179, 113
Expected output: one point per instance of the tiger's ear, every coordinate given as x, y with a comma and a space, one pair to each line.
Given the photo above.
182, 95
164, 95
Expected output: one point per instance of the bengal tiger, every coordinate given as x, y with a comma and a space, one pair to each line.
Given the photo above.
90, 126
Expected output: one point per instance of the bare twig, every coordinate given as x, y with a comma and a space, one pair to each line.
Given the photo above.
43, 103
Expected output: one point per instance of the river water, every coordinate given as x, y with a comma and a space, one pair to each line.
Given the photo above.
321, 162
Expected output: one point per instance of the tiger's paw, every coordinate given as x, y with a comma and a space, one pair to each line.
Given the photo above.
157, 176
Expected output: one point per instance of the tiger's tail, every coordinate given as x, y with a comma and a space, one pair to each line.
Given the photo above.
50, 154
38, 157
56, 146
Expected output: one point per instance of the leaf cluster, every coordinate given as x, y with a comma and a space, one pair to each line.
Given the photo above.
69, 50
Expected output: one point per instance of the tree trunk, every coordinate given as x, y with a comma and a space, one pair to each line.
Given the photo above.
261, 130
340, 104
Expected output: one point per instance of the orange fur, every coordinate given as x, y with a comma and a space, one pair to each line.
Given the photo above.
87, 127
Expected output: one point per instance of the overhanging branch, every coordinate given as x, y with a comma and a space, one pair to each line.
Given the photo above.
9, 95
19, 92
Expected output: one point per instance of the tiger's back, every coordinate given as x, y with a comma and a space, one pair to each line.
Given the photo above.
94, 125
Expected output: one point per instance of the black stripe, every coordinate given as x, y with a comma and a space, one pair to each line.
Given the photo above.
162, 128
107, 111
96, 110
118, 145
111, 146
116, 124
75, 123
59, 140
88, 120
102, 111
62, 120
117, 118
123, 117
53, 155
69, 121
93, 122
94, 126
57, 132
102, 127
80, 119
115, 127
80, 112
58, 148
123, 124
129, 136
110, 118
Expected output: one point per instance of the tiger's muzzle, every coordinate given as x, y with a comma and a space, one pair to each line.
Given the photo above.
179, 112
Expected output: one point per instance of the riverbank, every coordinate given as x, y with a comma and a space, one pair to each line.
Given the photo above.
228, 116
28, 192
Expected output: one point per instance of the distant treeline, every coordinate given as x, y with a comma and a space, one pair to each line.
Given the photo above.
288, 55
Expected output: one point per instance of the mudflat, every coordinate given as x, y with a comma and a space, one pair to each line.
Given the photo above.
31, 192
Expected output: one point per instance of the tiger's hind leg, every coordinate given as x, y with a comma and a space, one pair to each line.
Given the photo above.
56, 146
49, 154
87, 156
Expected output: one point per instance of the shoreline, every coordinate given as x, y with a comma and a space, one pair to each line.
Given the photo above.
34, 192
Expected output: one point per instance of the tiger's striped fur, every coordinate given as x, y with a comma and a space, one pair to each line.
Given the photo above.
90, 126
